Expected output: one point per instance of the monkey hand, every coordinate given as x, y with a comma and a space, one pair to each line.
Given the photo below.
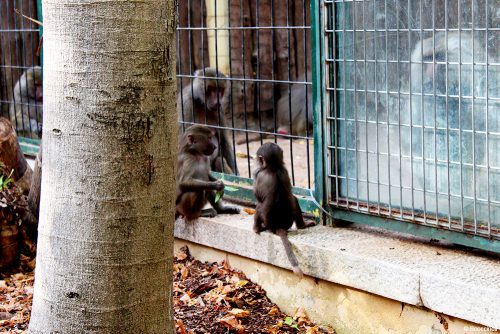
219, 185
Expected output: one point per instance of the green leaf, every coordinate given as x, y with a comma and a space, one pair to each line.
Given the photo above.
295, 326
218, 195
230, 189
288, 321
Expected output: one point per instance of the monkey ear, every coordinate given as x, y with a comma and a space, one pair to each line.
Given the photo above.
262, 161
190, 139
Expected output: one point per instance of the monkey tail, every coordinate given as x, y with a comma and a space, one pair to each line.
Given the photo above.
289, 253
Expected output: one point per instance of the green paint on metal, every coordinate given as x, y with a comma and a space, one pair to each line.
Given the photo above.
29, 146
40, 29
244, 191
317, 92
456, 237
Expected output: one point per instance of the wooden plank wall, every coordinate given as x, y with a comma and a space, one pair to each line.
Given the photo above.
278, 53
18, 46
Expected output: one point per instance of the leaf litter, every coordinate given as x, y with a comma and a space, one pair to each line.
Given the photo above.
213, 298
208, 298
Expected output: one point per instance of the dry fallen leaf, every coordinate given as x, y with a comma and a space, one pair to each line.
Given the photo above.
181, 256
249, 211
301, 316
274, 311
242, 283
231, 322
312, 330
239, 313
184, 273
179, 326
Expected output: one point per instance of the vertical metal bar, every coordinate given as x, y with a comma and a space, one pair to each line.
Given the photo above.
40, 28
377, 148
460, 113
387, 99
421, 111
244, 85
258, 70
191, 69
317, 32
366, 109
411, 117
203, 65
399, 119
179, 70
435, 111
307, 97
473, 125
335, 94
289, 88
273, 70
447, 116
231, 105
487, 124
356, 119
219, 110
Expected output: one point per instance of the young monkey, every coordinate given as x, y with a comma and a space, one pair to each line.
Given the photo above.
195, 185
277, 208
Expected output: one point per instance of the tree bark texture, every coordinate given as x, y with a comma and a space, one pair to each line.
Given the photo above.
105, 237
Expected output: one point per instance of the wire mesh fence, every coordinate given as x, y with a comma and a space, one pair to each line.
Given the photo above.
413, 98
21, 96
260, 51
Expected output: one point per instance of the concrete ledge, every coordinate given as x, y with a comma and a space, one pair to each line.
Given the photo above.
449, 281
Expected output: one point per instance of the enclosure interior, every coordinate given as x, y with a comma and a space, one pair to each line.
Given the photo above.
263, 50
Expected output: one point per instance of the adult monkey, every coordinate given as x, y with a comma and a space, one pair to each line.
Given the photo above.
296, 102
195, 185
277, 208
27, 108
203, 102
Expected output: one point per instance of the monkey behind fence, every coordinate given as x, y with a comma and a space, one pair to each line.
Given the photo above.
26, 110
204, 102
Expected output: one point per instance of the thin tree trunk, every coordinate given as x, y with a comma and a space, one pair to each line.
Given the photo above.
105, 236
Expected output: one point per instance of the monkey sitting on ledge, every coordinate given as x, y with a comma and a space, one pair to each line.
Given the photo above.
195, 185
277, 208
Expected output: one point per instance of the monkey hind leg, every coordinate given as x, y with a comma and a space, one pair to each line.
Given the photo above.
210, 213
289, 253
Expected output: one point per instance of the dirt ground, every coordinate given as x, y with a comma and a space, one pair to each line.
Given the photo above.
303, 175
208, 298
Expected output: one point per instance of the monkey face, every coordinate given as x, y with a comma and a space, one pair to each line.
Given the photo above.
213, 96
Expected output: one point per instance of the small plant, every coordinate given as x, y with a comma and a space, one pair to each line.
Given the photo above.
6, 181
289, 322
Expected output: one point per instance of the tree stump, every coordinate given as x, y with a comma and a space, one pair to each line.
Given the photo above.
12, 156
